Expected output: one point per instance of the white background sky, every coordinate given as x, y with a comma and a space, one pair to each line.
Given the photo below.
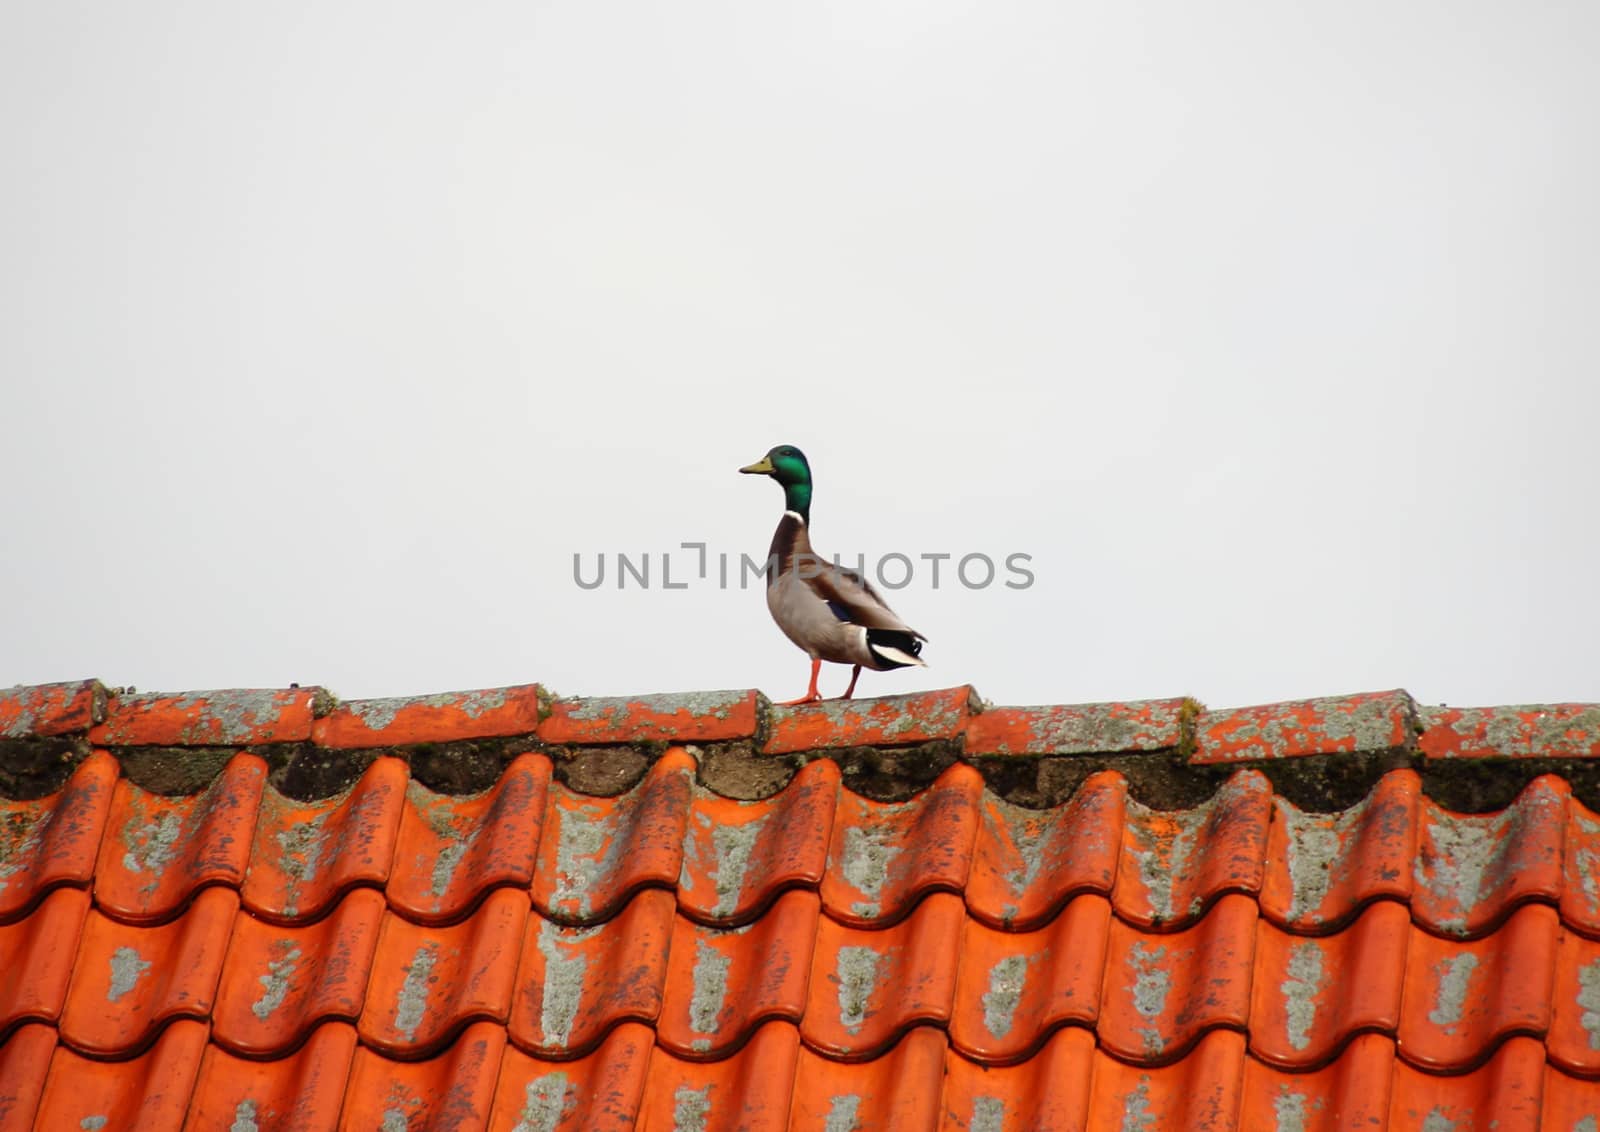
330, 332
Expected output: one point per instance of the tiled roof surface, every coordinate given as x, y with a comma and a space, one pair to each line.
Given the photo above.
268, 910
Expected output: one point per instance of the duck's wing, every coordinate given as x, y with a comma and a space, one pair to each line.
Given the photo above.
852, 598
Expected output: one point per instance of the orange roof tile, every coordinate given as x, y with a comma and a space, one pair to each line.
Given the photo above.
704, 912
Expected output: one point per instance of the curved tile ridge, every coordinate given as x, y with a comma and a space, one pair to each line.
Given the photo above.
1322, 868
1471, 868
306, 856
157, 851
885, 856
55, 840
596, 852
452, 851
1028, 863
738, 856
1176, 862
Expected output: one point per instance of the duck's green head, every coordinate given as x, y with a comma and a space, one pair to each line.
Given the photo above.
787, 464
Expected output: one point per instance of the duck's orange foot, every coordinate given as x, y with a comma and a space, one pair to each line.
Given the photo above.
812, 695
810, 698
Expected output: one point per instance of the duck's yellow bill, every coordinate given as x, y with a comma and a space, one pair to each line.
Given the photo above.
762, 467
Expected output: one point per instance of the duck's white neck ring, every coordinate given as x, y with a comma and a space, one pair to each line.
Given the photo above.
797, 517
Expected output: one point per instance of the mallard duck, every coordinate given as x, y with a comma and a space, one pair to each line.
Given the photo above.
830, 612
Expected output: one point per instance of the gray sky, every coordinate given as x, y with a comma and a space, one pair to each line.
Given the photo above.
332, 331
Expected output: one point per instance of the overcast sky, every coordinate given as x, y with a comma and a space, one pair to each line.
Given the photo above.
331, 332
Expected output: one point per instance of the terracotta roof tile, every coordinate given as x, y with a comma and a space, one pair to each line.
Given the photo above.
453, 850
157, 851
301, 1092
56, 839
737, 856
279, 981
700, 717
884, 857
531, 957
223, 718
452, 716
306, 856
43, 710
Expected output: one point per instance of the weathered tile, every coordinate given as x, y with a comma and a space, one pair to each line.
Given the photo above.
427, 980
722, 981
1028, 863
306, 856
686, 717
1368, 723
225, 718
128, 981
1077, 729
737, 856
1174, 863
885, 856
157, 850
280, 981
450, 717
450, 851
887, 721
867, 986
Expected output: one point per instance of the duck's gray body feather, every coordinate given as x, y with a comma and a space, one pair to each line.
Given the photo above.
827, 610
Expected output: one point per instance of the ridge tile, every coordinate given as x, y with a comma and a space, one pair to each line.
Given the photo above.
1538, 731
685, 717
449, 717
41, 711
225, 718
158, 850
737, 856
1365, 723
885, 721
306, 856
1077, 729
450, 851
